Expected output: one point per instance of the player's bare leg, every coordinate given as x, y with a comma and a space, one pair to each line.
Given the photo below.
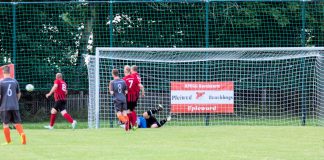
154, 126
161, 123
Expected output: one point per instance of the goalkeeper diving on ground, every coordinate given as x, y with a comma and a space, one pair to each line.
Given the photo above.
148, 120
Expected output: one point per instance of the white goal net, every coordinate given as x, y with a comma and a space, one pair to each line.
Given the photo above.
215, 86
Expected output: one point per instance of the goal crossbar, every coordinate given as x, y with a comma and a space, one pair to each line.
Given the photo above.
210, 49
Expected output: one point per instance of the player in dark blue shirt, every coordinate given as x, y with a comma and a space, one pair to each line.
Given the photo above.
118, 89
9, 109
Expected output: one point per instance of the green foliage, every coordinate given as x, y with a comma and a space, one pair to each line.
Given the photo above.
51, 45
53, 37
5, 33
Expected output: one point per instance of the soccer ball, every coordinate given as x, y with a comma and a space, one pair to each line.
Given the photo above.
29, 87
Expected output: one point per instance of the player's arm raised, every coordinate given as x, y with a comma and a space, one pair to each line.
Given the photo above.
52, 90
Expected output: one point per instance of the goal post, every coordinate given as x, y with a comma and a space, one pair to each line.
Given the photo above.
215, 86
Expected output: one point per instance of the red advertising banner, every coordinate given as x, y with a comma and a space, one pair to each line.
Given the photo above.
215, 86
202, 97
12, 71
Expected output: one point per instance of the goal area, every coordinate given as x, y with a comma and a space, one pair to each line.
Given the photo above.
215, 86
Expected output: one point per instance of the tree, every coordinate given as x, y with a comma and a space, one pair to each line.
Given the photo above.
49, 39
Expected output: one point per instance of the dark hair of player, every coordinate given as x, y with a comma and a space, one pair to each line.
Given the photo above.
115, 72
6, 70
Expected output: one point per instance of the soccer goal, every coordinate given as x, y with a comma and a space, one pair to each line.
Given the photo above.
215, 86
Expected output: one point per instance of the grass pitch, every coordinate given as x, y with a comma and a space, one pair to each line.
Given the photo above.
170, 143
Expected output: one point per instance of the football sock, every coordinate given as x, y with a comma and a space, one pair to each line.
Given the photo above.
130, 117
52, 119
19, 128
68, 117
23, 138
6, 132
162, 122
127, 124
122, 118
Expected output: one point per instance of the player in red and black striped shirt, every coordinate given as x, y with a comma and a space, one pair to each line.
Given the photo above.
135, 74
60, 92
134, 86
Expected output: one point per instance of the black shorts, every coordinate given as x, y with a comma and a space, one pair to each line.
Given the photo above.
131, 105
152, 120
60, 105
12, 116
120, 106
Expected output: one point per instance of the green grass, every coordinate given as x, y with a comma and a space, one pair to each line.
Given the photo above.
83, 124
170, 143
58, 125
